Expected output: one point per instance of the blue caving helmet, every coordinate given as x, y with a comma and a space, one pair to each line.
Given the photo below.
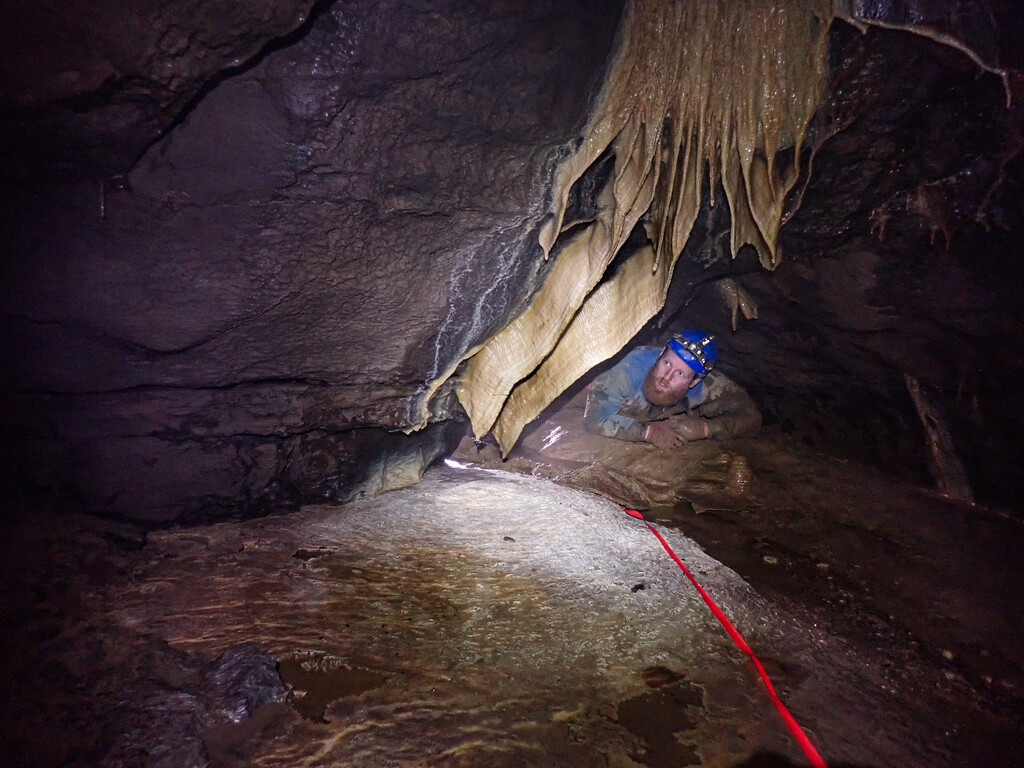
697, 349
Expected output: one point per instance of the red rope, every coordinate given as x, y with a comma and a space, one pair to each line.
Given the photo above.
791, 723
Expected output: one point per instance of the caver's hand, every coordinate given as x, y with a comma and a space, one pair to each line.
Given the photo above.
689, 427
661, 434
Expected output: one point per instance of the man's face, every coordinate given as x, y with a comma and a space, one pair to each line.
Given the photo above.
668, 380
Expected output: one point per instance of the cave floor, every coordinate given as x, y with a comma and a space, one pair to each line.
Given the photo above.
928, 587
506, 618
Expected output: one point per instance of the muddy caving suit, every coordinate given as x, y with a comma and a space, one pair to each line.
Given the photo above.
616, 406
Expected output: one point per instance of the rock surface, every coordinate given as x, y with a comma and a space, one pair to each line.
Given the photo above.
249, 317
86, 87
483, 618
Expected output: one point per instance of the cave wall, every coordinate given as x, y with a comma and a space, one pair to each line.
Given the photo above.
901, 256
86, 87
243, 242
247, 317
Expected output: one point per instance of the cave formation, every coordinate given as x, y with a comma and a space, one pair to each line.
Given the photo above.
687, 93
213, 315
263, 257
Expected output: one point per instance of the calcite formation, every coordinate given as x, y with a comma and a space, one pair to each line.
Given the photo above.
700, 98
696, 91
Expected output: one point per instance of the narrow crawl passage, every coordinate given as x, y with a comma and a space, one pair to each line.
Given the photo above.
479, 618
926, 587
696, 90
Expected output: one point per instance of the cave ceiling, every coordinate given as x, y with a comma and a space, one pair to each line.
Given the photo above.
254, 248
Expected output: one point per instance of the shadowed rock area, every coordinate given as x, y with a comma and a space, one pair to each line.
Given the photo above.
244, 318
88, 87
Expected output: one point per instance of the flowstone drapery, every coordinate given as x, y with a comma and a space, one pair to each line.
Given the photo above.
695, 89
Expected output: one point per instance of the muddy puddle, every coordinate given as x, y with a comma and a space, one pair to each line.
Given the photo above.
315, 684
661, 717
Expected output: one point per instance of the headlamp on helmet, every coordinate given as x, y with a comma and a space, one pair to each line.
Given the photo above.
697, 349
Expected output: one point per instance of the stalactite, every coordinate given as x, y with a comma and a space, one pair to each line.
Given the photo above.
696, 88
943, 461
737, 299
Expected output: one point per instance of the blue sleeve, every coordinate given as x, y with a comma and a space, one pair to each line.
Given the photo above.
609, 392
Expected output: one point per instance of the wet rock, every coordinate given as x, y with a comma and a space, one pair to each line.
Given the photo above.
240, 680
419, 633
317, 682
610, 483
163, 724
423, 634
658, 716
739, 474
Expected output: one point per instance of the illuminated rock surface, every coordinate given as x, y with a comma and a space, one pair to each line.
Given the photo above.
479, 618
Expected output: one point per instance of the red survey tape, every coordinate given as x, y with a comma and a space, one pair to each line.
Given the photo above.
791, 723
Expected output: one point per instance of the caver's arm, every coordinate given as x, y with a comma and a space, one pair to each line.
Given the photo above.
606, 396
728, 409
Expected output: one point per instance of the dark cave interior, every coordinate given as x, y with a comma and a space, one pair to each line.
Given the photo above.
251, 249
